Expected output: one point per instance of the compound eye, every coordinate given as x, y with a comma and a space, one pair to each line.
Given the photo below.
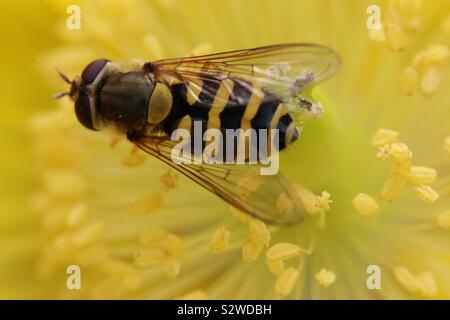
92, 70
83, 111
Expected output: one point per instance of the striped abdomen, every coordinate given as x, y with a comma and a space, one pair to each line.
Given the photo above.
229, 104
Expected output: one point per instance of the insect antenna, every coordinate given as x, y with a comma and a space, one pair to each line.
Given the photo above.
60, 95
68, 81
64, 77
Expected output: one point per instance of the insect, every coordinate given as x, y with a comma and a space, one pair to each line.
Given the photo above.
238, 89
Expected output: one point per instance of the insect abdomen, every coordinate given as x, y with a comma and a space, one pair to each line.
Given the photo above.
241, 106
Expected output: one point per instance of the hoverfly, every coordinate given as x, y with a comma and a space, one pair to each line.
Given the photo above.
243, 88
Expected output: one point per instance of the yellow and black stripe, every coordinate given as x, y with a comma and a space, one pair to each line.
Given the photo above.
230, 104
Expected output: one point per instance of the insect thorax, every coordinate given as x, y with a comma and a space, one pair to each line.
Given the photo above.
122, 100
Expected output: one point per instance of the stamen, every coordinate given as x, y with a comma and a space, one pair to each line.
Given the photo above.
409, 12
325, 277
395, 36
252, 247
242, 216
384, 137
88, 234
286, 282
436, 54
304, 197
421, 175
323, 201
248, 184
151, 236
220, 240
77, 215
171, 266
431, 79
447, 144
284, 204
259, 229
426, 193
426, 284
169, 180
65, 184
393, 186
283, 251
365, 204
275, 266
146, 205
377, 35
134, 158
406, 279
383, 152
408, 80
443, 220
149, 257
423, 283
131, 277
400, 152
115, 139
172, 244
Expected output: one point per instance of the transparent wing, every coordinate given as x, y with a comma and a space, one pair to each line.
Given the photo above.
268, 198
284, 70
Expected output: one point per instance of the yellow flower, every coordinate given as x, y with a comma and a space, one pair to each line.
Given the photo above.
140, 231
